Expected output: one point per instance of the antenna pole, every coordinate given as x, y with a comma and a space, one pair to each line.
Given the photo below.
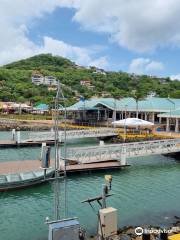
59, 96
65, 155
56, 183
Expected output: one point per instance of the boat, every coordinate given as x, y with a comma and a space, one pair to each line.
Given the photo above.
25, 179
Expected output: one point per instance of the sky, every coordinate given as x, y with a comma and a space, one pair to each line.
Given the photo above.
141, 37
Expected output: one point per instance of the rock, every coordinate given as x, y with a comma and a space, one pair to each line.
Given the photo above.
125, 237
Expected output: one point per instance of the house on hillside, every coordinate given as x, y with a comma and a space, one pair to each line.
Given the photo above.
98, 70
38, 79
50, 81
86, 83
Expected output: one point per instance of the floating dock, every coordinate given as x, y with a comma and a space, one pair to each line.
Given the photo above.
10, 143
21, 174
13, 167
109, 165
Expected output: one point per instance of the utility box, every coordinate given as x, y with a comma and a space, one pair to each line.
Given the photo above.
67, 229
108, 222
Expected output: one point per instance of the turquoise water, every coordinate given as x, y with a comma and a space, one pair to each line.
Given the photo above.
148, 192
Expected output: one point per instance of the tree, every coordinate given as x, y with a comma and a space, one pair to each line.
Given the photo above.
138, 95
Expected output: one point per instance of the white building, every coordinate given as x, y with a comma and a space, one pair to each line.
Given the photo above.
37, 79
47, 80
50, 81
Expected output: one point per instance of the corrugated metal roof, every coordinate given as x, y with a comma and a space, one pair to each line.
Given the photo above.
171, 114
42, 106
153, 104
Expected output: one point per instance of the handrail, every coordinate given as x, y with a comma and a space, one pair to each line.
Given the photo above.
115, 151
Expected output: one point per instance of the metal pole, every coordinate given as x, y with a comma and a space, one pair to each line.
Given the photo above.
56, 183
170, 123
125, 124
65, 158
103, 196
114, 112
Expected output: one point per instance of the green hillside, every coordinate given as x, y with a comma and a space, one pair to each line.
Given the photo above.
15, 81
42, 61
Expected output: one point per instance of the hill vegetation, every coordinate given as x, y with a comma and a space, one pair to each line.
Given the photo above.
16, 85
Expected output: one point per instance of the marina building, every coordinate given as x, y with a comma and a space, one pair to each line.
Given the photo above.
164, 112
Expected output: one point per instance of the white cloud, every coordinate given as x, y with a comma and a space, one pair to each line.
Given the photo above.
15, 17
82, 56
145, 66
100, 62
175, 77
137, 25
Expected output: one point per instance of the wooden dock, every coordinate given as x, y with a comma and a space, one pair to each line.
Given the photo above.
12, 167
109, 165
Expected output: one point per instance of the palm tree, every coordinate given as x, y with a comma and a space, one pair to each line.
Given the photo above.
138, 95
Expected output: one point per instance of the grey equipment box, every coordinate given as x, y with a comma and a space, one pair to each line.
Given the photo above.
67, 229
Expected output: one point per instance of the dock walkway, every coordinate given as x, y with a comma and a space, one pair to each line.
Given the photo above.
37, 138
74, 134
11, 143
13, 167
122, 151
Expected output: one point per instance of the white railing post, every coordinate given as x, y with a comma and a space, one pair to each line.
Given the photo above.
123, 156
13, 134
18, 137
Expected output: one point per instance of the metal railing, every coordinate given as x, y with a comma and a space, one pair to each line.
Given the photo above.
73, 134
115, 151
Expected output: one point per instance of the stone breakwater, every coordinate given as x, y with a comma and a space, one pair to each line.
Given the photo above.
23, 127
9, 124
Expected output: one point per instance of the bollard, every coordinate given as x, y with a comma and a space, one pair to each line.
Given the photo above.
13, 134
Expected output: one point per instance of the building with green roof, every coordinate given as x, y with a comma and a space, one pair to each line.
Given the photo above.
172, 118
110, 109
